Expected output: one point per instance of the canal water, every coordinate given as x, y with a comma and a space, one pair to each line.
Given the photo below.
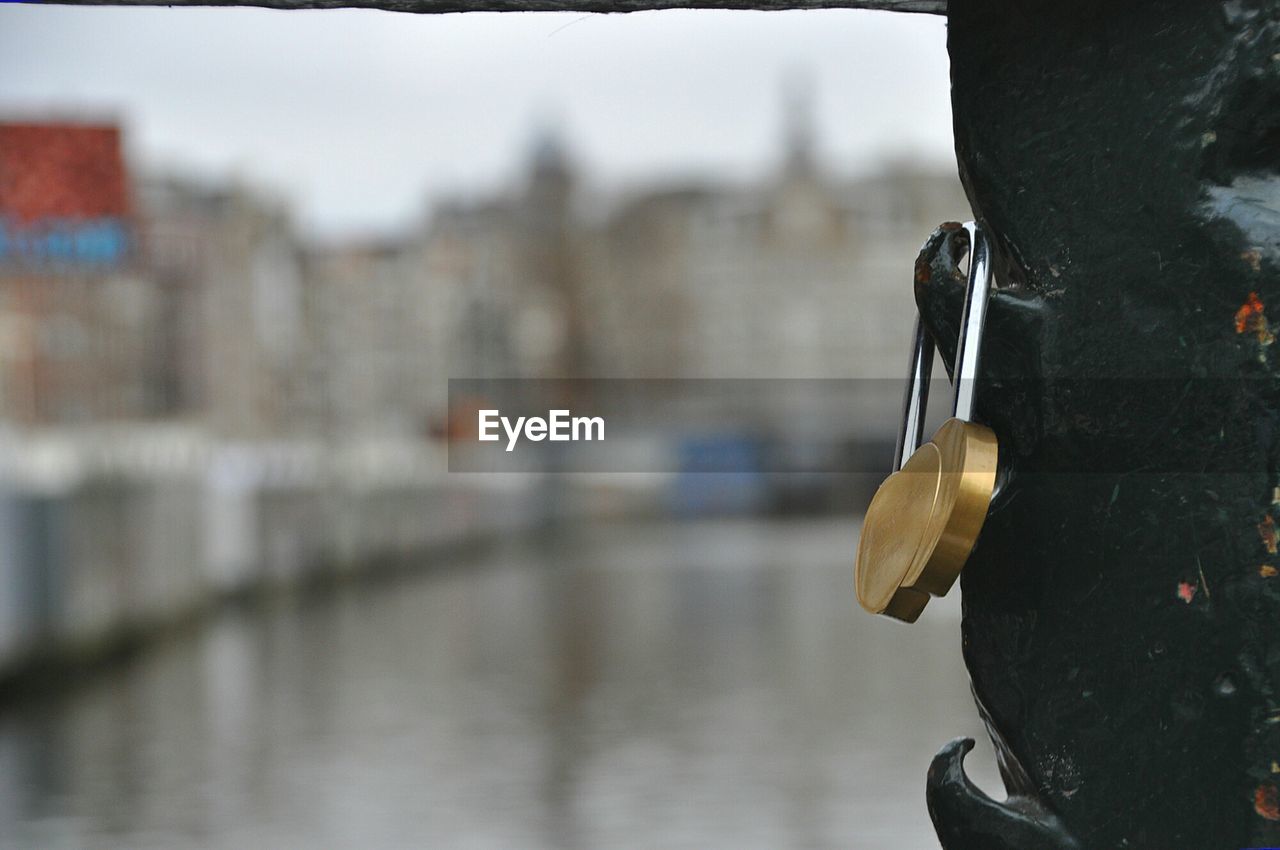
622, 687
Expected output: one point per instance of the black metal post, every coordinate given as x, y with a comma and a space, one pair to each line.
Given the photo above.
1122, 608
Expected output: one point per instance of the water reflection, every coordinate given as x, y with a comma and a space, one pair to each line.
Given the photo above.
664, 686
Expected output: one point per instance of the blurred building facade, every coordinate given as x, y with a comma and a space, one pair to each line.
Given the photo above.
125, 299
799, 276
77, 319
234, 352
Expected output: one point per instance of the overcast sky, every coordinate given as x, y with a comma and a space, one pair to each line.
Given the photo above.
363, 118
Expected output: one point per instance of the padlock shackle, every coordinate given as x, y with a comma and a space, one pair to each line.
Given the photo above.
968, 353
915, 401
972, 320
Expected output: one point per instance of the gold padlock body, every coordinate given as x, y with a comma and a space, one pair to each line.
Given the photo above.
924, 521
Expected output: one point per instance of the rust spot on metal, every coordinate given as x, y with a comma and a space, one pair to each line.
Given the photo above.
1266, 801
1251, 318
1251, 307
1267, 571
1267, 532
950, 226
1186, 591
923, 272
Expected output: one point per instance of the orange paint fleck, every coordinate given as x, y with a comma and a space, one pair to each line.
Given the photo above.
1266, 801
1267, 571
1250, 317
1251, 307
1267, 531
1186, 591
923, 272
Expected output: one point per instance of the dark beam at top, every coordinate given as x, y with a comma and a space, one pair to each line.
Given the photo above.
935, 7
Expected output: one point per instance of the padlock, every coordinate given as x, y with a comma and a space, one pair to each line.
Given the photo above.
925, 518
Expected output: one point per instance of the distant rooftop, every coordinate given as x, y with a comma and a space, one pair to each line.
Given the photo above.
61, 171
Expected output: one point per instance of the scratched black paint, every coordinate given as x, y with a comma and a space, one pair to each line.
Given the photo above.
1120, 625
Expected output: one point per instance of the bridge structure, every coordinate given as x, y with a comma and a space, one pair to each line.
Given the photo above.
1122, 607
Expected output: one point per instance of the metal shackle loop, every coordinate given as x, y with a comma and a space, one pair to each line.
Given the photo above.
972, 320
968, 353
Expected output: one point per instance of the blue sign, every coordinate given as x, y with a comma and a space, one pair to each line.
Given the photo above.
102, 242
